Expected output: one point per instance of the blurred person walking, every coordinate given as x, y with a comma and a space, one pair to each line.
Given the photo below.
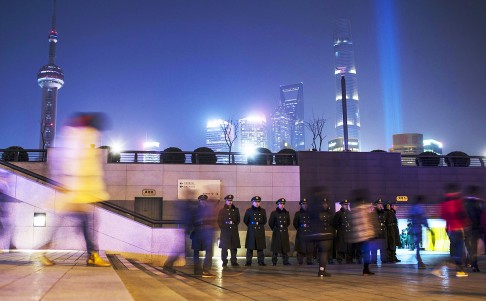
419, 219
228, 221
279, 222
322, 232
453, 212
77, 165
255, 219
6, 229
203, 227
474, 208
365, 225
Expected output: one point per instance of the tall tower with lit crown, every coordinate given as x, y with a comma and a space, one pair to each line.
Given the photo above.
50, 78
345, 66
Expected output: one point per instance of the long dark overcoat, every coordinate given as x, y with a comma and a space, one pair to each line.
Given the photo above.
342, 223
302, 224
393, 234
228, 221
279, 222
255, 218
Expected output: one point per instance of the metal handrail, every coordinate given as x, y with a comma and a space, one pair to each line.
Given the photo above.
39, 178
107, 205
133, 156
24, 155
153, 223
441, 160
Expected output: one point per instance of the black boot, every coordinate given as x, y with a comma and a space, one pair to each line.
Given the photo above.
366, 270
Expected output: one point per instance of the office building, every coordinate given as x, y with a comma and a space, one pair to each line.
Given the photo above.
152, 146
292, 104
431, 145
337, 145
215, 136
281, 131
252, 133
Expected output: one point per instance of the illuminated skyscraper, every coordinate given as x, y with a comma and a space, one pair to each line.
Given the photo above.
215, 135
281, 130
344, 65
50, 78
151, 146
431, 145
292, 103
252, 133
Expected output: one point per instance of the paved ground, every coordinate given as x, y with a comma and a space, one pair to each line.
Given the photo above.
23, 278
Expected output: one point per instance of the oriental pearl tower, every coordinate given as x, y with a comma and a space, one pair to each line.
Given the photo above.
50, 78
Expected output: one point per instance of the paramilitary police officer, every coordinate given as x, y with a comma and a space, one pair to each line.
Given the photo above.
342, 223
255, 218
228, 220
279, 222
393, 234
202, 236
303, 246
380, 241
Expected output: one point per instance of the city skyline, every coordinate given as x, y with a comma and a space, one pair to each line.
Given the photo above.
161, 69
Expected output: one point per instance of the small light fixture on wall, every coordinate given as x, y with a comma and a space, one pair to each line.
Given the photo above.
39, 219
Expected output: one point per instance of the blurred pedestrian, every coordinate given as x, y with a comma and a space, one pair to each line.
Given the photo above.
322, 232
453, 212
474, 208
6, 229
228, 221
279, 222
365, 225
255, 219
303, 245
202, 235
418, 219
77, 165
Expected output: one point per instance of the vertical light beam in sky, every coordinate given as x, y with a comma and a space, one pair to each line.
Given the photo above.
389, 68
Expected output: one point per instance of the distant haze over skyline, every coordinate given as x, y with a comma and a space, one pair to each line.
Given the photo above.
161, 69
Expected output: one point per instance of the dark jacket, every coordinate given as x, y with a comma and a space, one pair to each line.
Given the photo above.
381, 227
279, 222
203, 224
342, 223
255, 218
228, 220
322, 227
392, 232
302, 223
474, 209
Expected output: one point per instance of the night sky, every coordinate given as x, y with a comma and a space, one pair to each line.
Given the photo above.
160, 69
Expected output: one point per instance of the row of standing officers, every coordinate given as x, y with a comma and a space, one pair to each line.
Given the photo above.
317, 230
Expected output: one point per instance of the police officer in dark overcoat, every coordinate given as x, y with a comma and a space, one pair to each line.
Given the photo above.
203, 223
279, 222
303, 245
380, 242
393, 234
228, 221
255, 218
342, 223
